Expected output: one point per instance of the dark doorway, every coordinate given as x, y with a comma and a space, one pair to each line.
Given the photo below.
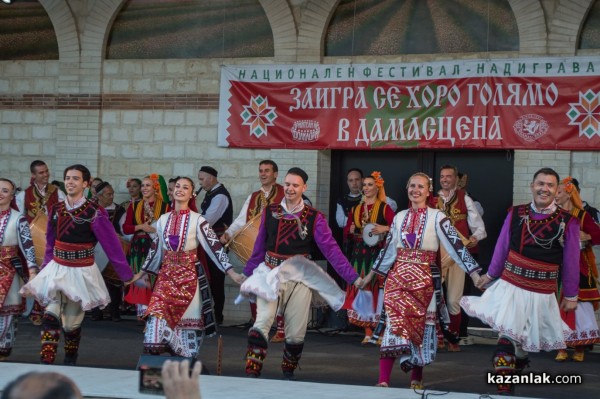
490, 177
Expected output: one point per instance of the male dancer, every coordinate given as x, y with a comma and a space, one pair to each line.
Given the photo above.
40, 196
538, 243
69, 282
282, 276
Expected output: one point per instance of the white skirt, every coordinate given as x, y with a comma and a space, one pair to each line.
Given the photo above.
530, 318
265, 282
586, 328
79, 284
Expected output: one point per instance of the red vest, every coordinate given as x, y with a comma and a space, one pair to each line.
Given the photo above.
456, 211
34, 202
256, 204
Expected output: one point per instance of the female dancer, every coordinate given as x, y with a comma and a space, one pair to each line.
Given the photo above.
585, 326
15, 240
139, 221
371, 210
180, 311
412, 295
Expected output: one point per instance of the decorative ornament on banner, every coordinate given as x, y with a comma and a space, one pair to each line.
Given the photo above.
544, 103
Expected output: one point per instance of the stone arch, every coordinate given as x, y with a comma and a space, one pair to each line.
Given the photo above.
283, 27
565, 26
65, 28
311, 36
533, 36
98, 22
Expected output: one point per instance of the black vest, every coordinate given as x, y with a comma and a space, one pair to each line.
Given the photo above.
348, 202
522, 242
283, 235
225, 221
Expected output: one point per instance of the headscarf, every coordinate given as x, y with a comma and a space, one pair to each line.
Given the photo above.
571, 189
379, 183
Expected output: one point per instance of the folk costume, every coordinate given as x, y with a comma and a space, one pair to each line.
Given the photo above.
34, 200
141, 212
282, 276
415, 311
15, 244
532, 251
180, 312
583, 320
363, 256
217, 209
465, 218
69, 282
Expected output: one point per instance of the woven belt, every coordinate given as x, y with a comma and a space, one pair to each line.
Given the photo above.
528, 273
8, 252
416, 256
73, 255
273, 259
181, 256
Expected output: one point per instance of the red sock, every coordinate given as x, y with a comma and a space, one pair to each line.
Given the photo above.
416, 374
386, 364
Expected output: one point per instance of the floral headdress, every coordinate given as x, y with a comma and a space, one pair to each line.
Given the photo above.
160, 186
376, 175
571, 189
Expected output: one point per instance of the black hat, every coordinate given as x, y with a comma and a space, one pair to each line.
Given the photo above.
102, 186
209, 170
298, 172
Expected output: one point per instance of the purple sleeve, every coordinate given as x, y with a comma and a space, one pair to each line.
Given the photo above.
50, 239
259, 250
106, 235
332, 251
571, 253
502, 249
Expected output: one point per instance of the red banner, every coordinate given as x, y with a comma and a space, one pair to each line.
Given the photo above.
491, 104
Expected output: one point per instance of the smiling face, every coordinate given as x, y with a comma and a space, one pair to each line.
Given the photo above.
448, 179
41, 175
418, 191
75, 184
183, 191
369, 187
544, 189
294, 187
267, 175
148, 191
6, 194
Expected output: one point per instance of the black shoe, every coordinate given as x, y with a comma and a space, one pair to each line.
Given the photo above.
70, 361
252, 375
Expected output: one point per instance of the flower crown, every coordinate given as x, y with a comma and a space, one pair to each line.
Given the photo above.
378, 179
155, 183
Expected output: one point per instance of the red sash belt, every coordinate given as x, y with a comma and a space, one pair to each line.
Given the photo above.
74, 255
530, 274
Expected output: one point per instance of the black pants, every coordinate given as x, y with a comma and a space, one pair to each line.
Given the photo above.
217, 289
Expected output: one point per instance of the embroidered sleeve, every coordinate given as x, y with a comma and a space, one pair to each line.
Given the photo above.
155, 255
211, 245
26, 242
387, 255
450, 239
